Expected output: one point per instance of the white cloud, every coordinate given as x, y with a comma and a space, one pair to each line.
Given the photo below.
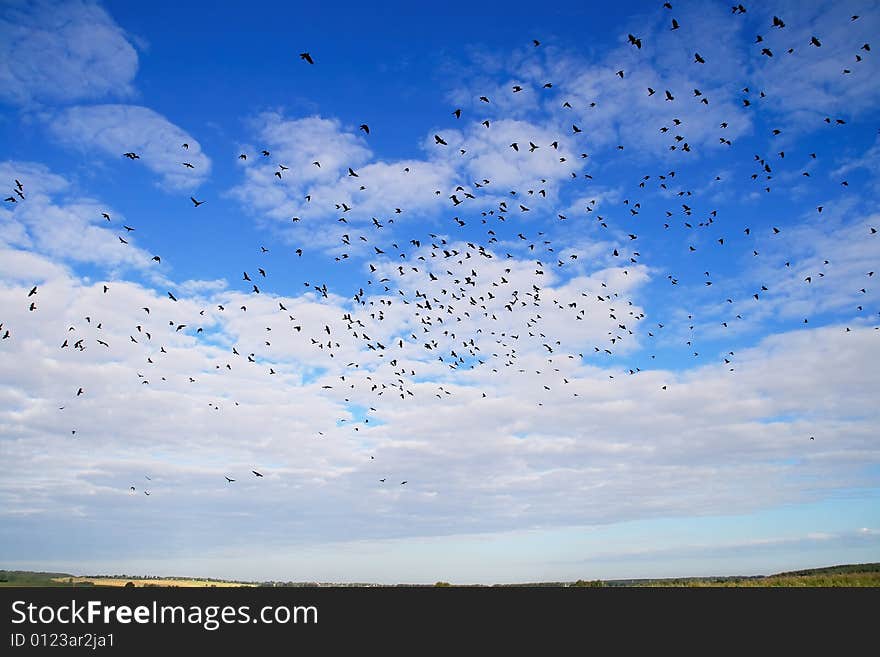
603, 447
809, 83
839, 236
67, 228
408, 185
54, 52
118, 129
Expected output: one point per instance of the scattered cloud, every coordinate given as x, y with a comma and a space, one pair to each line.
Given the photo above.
53, 221
62, 52
118, 129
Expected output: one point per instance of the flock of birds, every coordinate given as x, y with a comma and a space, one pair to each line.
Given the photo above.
441, 282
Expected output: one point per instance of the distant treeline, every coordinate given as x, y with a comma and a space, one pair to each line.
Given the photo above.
31, 578
835, 570
829, 576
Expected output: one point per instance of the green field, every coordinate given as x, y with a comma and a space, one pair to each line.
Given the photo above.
866, 574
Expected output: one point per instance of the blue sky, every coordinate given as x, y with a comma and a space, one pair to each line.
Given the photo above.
594, 390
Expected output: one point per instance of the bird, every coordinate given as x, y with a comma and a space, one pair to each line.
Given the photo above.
257, 474
229, 480
306, 57
195, 202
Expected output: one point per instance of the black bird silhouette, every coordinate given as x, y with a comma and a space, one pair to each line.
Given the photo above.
256, 473
306, 57
195, 202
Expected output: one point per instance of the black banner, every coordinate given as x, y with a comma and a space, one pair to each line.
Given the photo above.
413, 619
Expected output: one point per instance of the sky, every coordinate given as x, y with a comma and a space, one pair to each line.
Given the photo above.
501, 295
